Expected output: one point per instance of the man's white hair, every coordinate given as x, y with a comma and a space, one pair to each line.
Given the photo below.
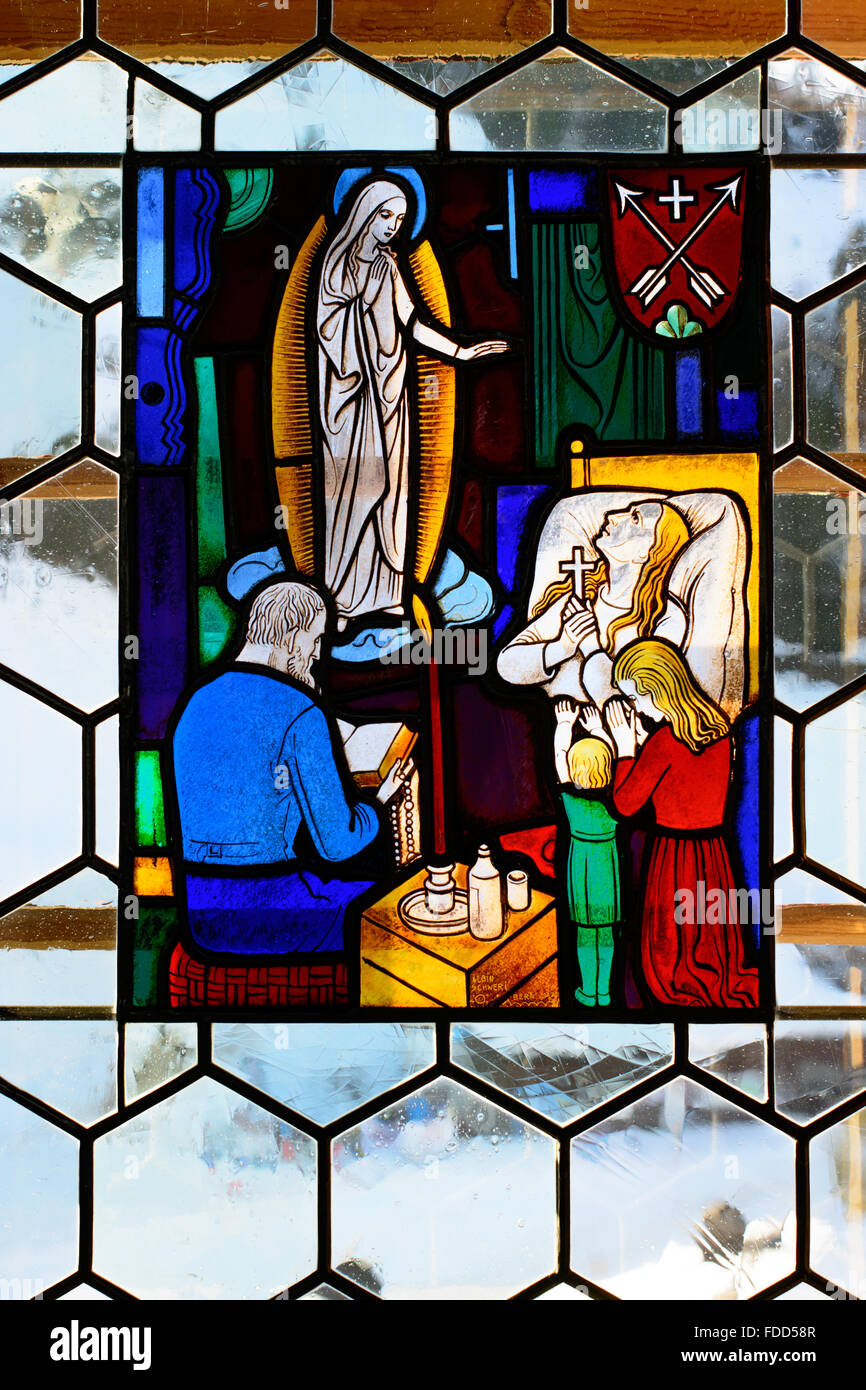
281, 609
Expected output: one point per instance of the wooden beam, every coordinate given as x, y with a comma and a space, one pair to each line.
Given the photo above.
191, 31
85, 479
60, 928
801, 476
824, 924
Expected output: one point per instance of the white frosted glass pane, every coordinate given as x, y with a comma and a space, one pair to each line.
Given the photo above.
32, 979
325, 104
235, 1193
64, 224
40, 367
58, 591
107, 790
814, 109
729, 119
783, 419
783, 839
160, 122
207, 79
71, 1064
107, 384
835, 778
559, 102
816, 227
80, 106
42, 781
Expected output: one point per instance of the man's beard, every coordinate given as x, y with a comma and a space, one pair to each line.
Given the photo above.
300, 669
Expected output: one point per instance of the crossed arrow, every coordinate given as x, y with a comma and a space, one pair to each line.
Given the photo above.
655, 277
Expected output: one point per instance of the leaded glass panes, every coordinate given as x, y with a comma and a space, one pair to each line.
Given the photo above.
321, 1155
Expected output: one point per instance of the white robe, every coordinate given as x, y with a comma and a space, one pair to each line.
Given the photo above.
522, 661
364, 411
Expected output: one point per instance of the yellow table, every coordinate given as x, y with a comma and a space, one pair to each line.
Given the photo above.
403, 968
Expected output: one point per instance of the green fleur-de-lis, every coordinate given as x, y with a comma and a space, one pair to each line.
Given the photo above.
677, 324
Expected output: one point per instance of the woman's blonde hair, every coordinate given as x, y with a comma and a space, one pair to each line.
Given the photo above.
670, 538
658, 670
590, 763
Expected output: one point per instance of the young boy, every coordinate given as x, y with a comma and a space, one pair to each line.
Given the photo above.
585, 770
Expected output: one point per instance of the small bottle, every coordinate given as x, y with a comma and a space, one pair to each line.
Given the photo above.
485, 898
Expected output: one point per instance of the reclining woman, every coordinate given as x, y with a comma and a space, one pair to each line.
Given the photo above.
569, 644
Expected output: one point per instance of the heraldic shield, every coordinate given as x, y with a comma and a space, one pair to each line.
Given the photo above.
677, 241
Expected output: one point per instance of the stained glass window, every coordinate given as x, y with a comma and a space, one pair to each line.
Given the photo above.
431, 568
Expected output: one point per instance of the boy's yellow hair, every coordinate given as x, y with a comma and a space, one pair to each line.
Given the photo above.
590, 763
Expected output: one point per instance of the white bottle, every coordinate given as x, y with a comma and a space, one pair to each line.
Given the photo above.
485, 898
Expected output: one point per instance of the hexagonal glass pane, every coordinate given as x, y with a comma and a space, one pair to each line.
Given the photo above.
559, 102
156, 1053
41, 366
727, 120
69, 1064
233, 37
819, 583
563, 1293
801, 1293
204, 1195
42, 780
821, 946
80, 106
834, 784
682, 1196
64, 224
161, 122
835, 408
107, 751
734, 1052
58, 949
816, 229
324, 1070
445, 1196
818, 1064
326, 103
815, 110
782, 379
837, 1159
783, 835
562, 1070
84, 1293
106, 425
58, 585
38, 1202
325, 1293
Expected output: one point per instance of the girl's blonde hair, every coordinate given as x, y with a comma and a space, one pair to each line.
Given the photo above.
658, 670
590, 763
648, 602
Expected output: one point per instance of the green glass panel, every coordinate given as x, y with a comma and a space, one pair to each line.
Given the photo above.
157, 930
216, 625
250, 190
209, 478
589, 371
149, 805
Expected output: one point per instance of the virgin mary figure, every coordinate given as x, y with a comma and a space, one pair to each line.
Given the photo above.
364, 312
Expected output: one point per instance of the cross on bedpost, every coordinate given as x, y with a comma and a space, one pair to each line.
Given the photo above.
577, 567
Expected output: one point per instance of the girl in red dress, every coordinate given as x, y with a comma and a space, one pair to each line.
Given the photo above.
682, 770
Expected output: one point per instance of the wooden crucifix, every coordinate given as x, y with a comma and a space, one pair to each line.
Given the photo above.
577, 567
